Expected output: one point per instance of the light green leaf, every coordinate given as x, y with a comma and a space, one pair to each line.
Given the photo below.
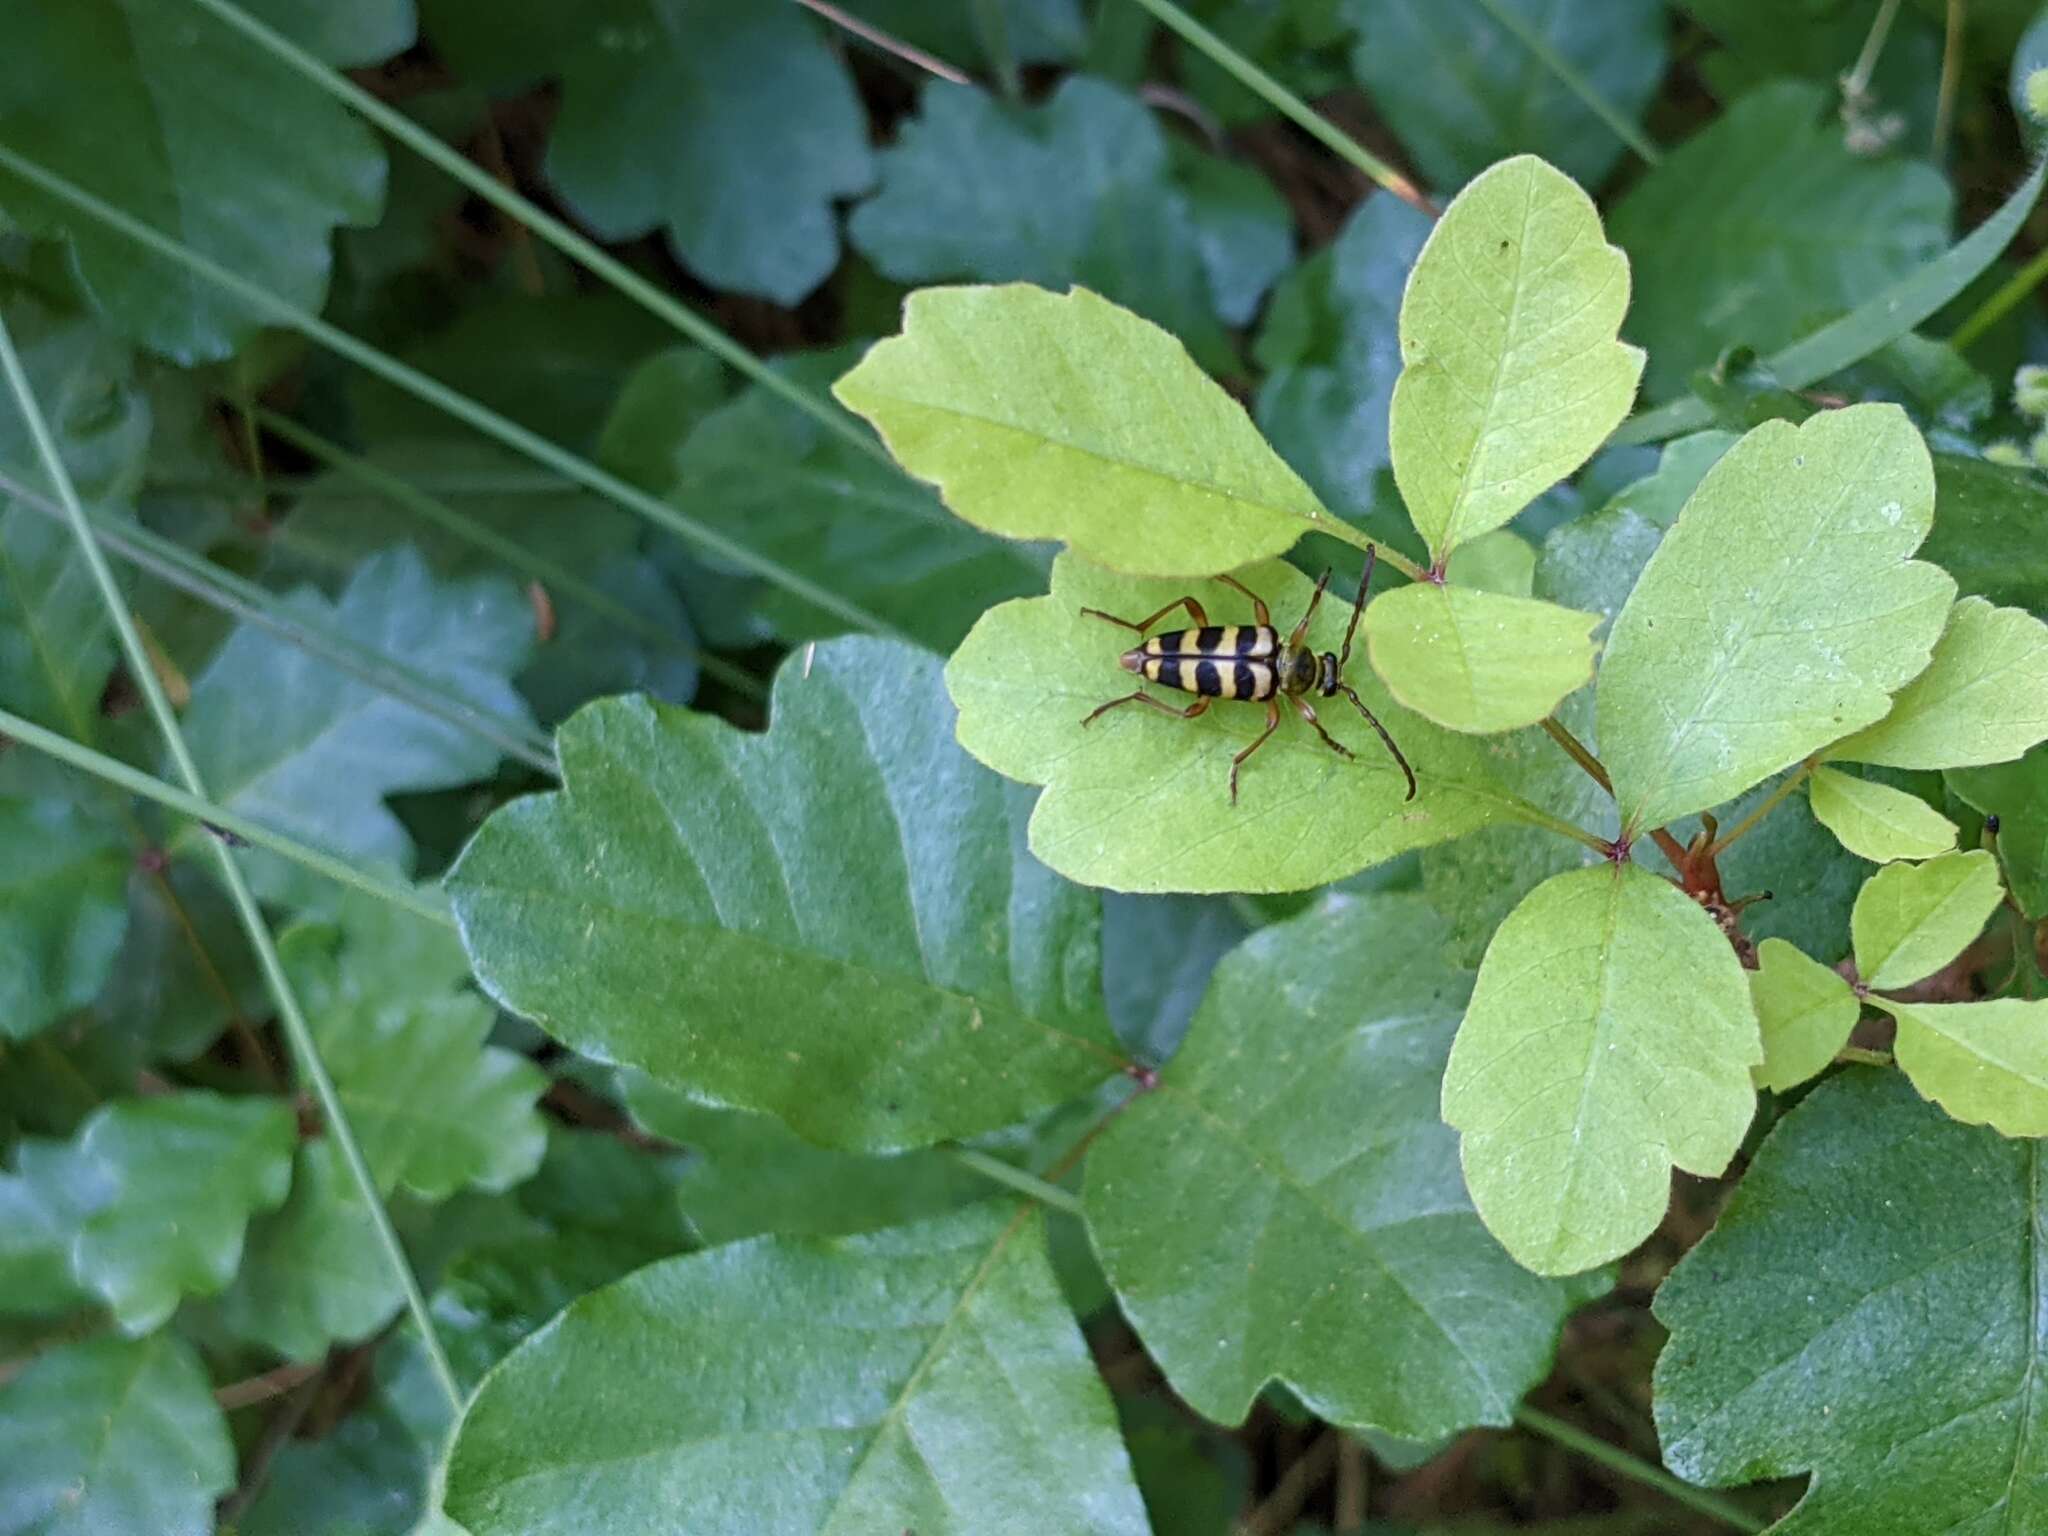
924, 1378
436, 1109
2017, 794
1141, 802
779, 483
174, 92
1330, 346
63, 909
1777, 615
1982, 699
166, 1186
1875, 821
1805, 1012
1478, 661
1986, 1063
743, 96
1286, 1205
851, 874
113, 1437
1078, 190
1912, 919
1763, 221
749, 1174
1060, 416
1460, 91
313, 1274
282, 736
1501, 561
1868, 1308
1511, 373
1812, 878
1581, 1075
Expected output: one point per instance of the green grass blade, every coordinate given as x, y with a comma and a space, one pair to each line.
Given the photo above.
289, 1012
492, 425
246, 600
1875, 323
448, 519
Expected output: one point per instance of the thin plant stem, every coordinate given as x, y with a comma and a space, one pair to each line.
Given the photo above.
2001, 302
1857, 81
1512, 21
113, 771
1786, 787
410, 380
1634, 1468
258, 930
890, 45
551, 229
1536, 816
1578, 751
1951, 77
1276, 95
1025, 1183
245, 600
313, 487
457, 524
1276, 1514
994, 29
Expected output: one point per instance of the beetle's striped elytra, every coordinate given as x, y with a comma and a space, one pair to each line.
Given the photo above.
1248, 663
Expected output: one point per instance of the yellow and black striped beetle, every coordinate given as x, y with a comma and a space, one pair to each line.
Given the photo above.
1249, 662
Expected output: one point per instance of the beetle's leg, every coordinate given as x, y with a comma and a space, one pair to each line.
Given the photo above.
1194, 612
1237, 762
1259, 609
1373, 720
1142, 697
1308, 713
1301, 629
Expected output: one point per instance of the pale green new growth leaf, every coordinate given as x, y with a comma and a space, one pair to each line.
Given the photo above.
1982, 699
851, 876
925, 1378
1141, 802
1286, 1204
1912, 919
167, 1185
1583, 1073
1985, 1063
113, 1437
1501, 561
313, 1273
63, 909
1512, 371
1804, 1011
1869, 1308
1478, 661
1777, 615
1876, 821
1060, 416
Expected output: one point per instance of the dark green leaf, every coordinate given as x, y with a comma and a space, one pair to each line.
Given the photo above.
923, 1378
39, 1205
1868, 1308
1762, 225
741, 96
63, 908
314, 1273
283, 736
174, 94
1157, 953
113, 1437
1992, 534
1461, 91
2017, 794
1079, 190
1286, 1204
852, 874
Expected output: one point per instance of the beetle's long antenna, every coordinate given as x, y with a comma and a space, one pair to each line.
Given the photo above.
1374, 721
1358, 612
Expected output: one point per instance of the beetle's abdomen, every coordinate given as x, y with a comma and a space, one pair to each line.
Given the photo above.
1242, 642
1216, 678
